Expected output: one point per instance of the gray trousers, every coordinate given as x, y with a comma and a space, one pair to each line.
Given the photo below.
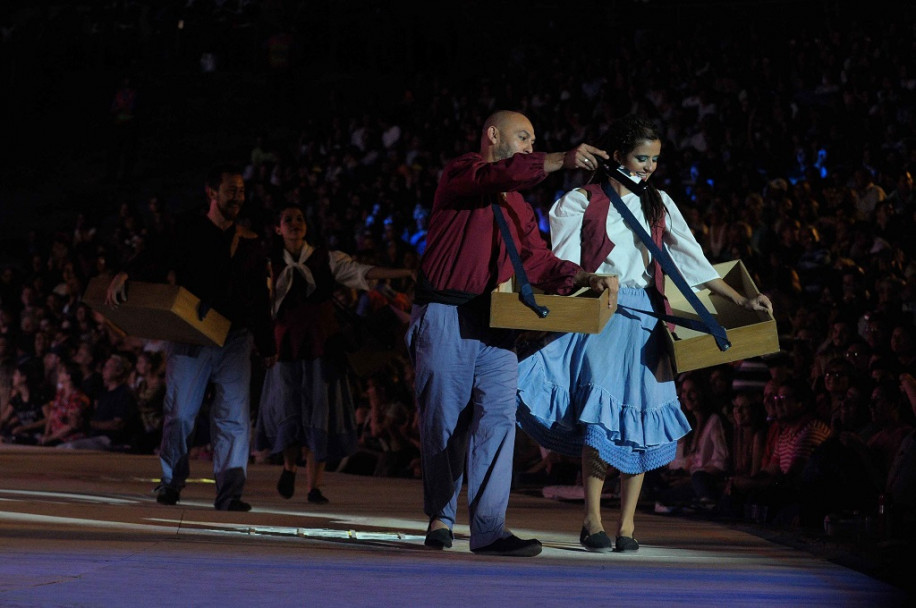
466, 379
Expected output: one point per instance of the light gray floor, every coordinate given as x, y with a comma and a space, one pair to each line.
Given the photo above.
83, 529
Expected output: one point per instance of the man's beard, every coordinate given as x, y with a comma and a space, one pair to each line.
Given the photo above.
503, 151
229, 209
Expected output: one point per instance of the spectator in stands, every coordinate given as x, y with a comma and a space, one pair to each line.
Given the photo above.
777, 484
24, 420
830, 390
67, 413
841, 335
84, 356
842, 475
903, 348
393, 426
113, 421
900, 488
697, 475
749, 435
892, 422
150, 394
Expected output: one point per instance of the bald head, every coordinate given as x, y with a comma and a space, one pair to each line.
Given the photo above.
506, 133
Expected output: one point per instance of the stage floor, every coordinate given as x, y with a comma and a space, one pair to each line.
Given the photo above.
83, 529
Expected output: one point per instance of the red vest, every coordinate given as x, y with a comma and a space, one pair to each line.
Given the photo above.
596, 245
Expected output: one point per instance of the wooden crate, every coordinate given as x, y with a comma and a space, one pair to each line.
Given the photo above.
581, 312
158, 311
751, 333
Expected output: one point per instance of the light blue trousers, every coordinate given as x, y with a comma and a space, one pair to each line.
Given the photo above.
189, 370
466, 378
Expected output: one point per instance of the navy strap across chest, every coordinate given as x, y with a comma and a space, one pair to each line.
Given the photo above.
709, 323
525, 292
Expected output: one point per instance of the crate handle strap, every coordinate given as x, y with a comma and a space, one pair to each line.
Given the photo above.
710, 325
525, 293
694, 324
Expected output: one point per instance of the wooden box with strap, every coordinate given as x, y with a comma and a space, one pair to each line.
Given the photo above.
160, 312
751, 333
514, 305
580, 312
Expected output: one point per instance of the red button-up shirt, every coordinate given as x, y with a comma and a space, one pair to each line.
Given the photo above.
465, 251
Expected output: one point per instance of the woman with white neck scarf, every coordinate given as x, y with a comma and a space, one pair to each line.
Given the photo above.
306, 400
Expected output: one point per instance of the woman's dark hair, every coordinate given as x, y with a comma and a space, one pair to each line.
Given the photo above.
623, 136
73, 370
278, 218
283, 206
758, 414
32, 373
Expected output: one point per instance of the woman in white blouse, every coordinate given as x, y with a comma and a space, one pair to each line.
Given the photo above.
611, 397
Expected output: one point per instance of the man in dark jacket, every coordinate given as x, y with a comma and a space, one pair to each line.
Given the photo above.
225, 266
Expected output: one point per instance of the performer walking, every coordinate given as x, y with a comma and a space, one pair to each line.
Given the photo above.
466, 372
610, 397
223, 264
307, 399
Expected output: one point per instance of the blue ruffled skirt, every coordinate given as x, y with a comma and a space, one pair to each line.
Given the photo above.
613, 391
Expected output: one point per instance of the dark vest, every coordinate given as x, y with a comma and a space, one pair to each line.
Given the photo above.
305, 322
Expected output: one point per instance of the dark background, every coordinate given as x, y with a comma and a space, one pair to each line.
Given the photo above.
61, 63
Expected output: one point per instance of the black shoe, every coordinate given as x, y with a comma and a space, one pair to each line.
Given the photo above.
287, 484
599, 542
316, 497
167, 495
511, 546
237, 505
626, 543
439, 539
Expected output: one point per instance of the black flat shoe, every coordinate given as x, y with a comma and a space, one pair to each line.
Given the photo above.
626, 543
598, 542
316, 497
439, 539
237, 505
511, 546
167, 495
287, 484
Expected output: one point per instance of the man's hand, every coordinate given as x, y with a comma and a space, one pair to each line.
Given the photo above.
582, 156
585, 157
117, 290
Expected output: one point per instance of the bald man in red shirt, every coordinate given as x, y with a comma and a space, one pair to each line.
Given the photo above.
466, 372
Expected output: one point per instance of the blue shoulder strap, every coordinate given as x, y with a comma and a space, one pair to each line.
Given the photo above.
709, 323
525, 293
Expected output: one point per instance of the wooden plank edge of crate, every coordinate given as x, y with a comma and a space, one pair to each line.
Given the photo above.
748, 341
182, 306
567, 313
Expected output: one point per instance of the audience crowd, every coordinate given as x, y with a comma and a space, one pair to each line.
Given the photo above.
795, 155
